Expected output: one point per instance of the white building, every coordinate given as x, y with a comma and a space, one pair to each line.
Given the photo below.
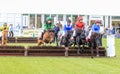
36, 21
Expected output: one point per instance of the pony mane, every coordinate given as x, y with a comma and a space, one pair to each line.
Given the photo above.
78, 32
94, 36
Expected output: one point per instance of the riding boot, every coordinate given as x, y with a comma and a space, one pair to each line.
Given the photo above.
74, 40
89, 44
41, 36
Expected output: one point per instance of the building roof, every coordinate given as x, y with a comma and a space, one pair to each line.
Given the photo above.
83, 7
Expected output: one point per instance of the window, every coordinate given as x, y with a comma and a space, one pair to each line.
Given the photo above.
115, 17
74, 19
46, 15
53, 16
60, 17
39, 23
68, 17
25, 20
32, 21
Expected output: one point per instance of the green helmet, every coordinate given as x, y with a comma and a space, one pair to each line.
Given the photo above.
49, 19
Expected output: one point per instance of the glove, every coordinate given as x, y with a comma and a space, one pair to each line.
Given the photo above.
72, 38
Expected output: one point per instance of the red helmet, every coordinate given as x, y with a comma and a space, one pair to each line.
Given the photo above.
80, 17
97, 21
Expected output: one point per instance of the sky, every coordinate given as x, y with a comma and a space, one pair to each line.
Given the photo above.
83, 7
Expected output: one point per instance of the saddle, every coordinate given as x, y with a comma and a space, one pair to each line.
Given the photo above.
66, 40
94, 39
81, 34
51, 30
69, 33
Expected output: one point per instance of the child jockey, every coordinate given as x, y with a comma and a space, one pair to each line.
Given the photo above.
67, 27
95, 28
47, 25
78, 25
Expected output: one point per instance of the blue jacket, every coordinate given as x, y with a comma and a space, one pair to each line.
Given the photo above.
67, 28
95, 28
57, 29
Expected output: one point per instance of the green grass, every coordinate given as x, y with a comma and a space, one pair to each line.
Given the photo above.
22, 44
28, 44
61, 65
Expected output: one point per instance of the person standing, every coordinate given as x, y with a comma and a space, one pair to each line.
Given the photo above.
11, 34
101, 34
57, 29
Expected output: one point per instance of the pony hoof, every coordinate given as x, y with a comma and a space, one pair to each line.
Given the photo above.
66, 54
97, 55
92, 57
78, 52
82, 51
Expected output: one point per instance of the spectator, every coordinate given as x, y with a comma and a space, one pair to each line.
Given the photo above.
60, 32
11, 34
57, 29
101, 33
87, 32
113, 31
106, 32
18, 27
117, 35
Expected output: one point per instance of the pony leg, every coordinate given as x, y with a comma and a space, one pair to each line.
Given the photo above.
3, 41
40, 42
44, 44
97, 52
83, 47
78, 51
91, 52
49, 44
66, 51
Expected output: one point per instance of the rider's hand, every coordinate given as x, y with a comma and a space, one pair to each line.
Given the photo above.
72, 38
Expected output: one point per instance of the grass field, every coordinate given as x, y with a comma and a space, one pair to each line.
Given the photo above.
61, 65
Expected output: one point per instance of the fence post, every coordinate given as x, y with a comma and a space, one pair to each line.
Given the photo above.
110, 45
26, 52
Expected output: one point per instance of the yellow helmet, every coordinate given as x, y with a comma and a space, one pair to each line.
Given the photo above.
5, 24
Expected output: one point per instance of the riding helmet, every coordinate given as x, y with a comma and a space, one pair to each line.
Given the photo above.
69, 21
97, 21
49, 19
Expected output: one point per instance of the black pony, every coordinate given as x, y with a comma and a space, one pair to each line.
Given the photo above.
66, 41
94, 42
80, 39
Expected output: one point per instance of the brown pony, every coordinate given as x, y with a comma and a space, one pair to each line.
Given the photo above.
48, 37
4, 37
94, 42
